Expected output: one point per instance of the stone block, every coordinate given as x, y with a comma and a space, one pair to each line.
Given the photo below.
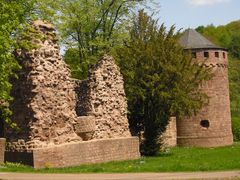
85, 124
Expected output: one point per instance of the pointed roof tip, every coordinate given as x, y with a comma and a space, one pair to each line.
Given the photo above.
191, 39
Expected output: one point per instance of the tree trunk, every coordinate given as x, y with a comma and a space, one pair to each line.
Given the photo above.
2, 149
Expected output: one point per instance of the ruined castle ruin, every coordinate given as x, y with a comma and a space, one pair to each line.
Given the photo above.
64, 121
68, 122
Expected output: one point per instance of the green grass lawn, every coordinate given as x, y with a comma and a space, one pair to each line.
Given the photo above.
177, 159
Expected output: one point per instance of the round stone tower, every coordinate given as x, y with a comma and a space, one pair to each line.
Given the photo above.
211, 126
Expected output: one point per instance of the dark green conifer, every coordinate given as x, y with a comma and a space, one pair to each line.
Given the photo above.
160, 80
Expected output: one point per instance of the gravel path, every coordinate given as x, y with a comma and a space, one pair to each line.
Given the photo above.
129, 176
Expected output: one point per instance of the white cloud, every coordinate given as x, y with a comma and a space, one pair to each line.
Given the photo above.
206, 2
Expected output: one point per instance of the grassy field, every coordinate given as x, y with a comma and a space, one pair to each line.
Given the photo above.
176, 160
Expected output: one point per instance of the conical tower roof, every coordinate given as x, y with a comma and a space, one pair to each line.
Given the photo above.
191, 39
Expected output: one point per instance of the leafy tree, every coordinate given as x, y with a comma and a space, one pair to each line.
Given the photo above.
234, 46
234, 84
88, 28
13, 14
160, 79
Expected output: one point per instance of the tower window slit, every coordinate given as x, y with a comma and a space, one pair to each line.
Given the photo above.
206, 54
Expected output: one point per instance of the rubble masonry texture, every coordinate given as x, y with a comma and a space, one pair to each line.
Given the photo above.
103, 97
51, 108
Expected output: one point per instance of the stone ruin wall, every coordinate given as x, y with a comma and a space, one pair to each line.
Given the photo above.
44, 99
190, 132
169, 137
103, 97
46, 106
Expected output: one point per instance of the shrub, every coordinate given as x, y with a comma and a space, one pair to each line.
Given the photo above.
236, 126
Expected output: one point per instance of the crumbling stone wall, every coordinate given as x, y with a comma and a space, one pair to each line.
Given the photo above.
51, 108
44, 97
102, 96
62, 121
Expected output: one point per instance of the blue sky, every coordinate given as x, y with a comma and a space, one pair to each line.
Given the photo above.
193, 13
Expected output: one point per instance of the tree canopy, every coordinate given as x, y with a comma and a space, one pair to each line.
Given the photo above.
89, 29
13, 14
